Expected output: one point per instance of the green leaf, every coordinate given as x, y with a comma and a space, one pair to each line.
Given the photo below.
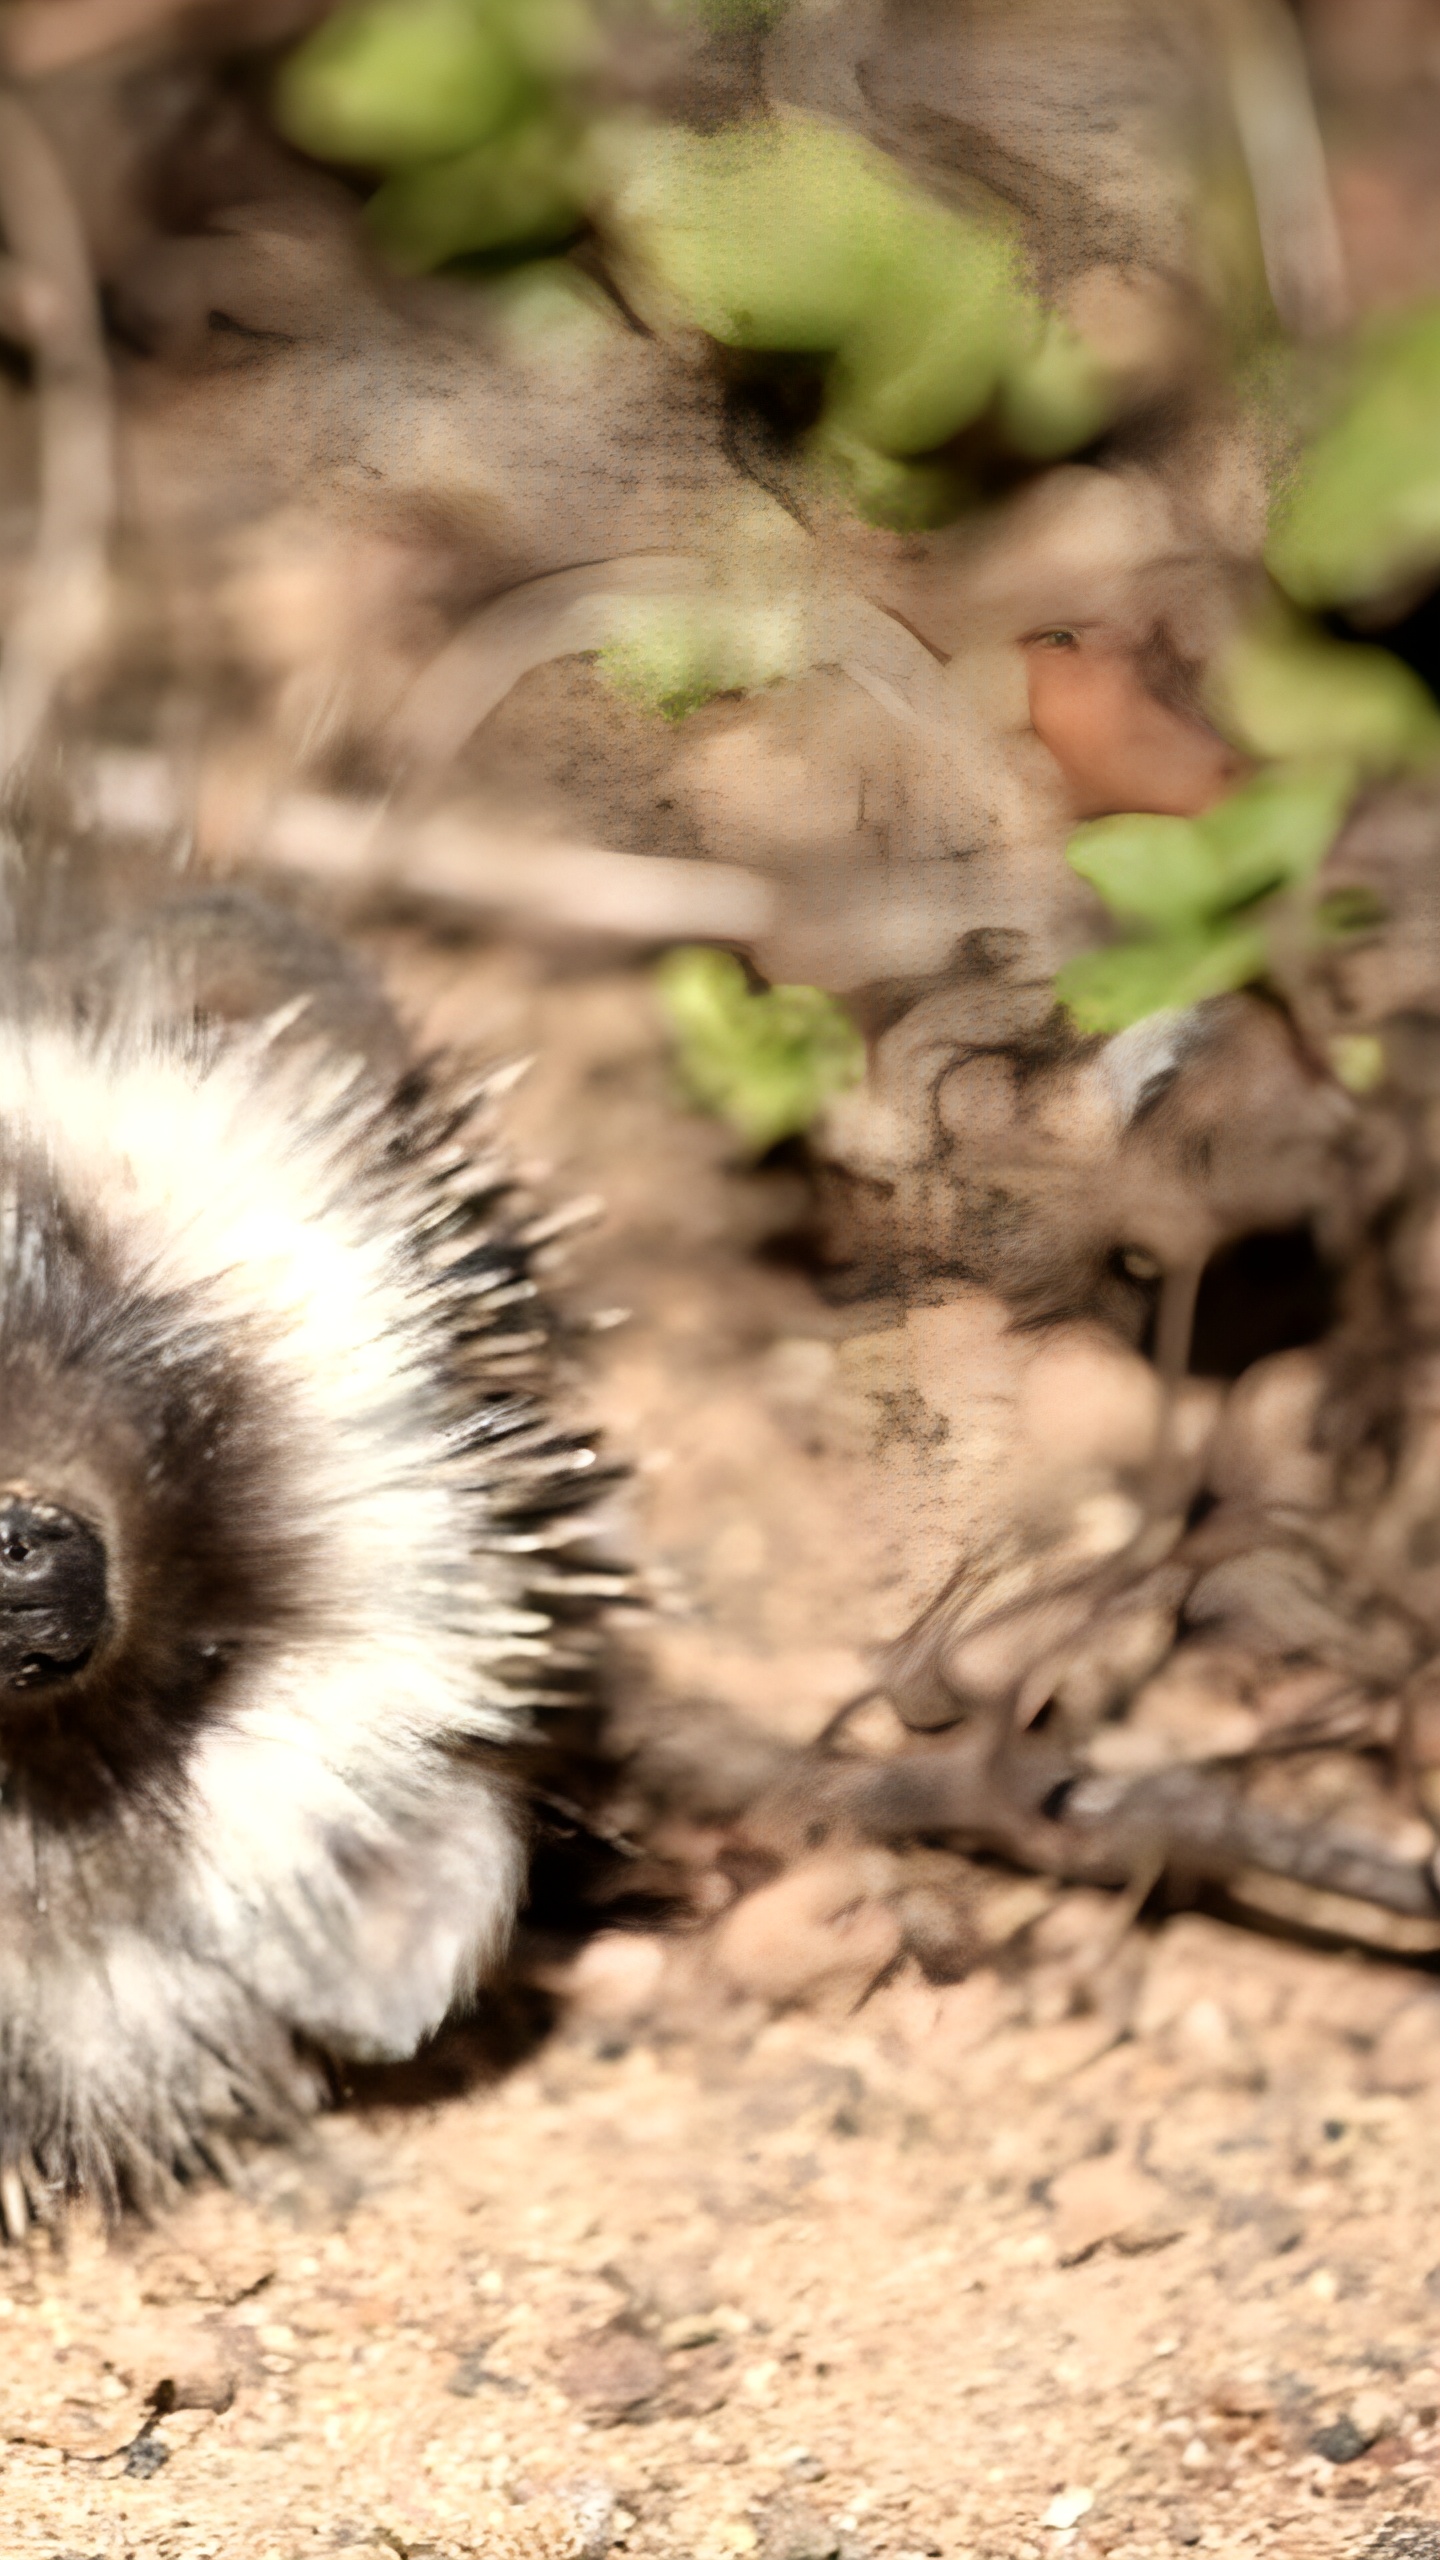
765, 235
1105, 991
948, 314
1276, 829
518, 191
1058, 397
675, 653
766, 1062
556, 39
1180, 873
1363, 512
786, 235
394, 82
1286, 689
905, 497
1159, 869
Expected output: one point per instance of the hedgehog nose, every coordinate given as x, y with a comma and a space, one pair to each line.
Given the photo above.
52, 1592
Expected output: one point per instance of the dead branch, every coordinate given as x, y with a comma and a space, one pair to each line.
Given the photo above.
1269, 85
466, 860
1194, 1822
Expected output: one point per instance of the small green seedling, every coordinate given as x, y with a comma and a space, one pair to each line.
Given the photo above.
766, 1061
674, 653
1201, 887
788, 236
466, 110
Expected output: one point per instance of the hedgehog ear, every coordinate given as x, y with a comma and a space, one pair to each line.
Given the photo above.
53, 1592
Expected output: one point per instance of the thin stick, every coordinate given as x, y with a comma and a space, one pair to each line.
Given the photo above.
1285, 155
64, 598
470, 860
1175, 1322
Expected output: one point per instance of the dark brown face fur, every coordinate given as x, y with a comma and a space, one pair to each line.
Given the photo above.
125, 1415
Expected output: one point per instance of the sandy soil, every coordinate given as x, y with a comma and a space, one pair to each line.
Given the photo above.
946, 2279
1125, 2242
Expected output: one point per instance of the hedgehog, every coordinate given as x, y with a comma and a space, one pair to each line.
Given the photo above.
292, 1548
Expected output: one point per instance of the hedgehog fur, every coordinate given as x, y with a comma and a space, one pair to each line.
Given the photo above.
288, 1545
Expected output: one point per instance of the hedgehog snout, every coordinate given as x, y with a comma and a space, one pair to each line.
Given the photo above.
53, 1592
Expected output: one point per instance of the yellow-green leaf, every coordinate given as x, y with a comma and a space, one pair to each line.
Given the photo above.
1158, 869
518, 190
1276, 828
1363, 512
1286, 688
766, 1061
1105, 991
394, 82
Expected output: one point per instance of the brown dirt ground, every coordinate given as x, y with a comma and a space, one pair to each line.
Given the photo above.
1130, 2247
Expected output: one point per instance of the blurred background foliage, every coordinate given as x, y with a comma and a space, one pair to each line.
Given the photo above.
927, 359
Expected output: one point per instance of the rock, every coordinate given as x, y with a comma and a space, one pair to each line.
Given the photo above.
1242, 2395
1065, 2511
1192, 1709
473, 2375
677, 2287
177, 2365
612, 2373
1374, 2414
593, 2504
1109, 2200
1407, 2056
962, 2018
617, 1977
1208, 2038
146, 2456
700, 2382
1264, 1451
789, 2528
1088, 1411
822, 1930
1342, 2440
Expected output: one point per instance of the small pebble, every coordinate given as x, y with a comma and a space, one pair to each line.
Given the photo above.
1374, 2413
472, 2374
1067, 2509
611, 2373
788, 2528
145, 2457
616, 1978
592, 2503
1341, 2440
804, 2466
